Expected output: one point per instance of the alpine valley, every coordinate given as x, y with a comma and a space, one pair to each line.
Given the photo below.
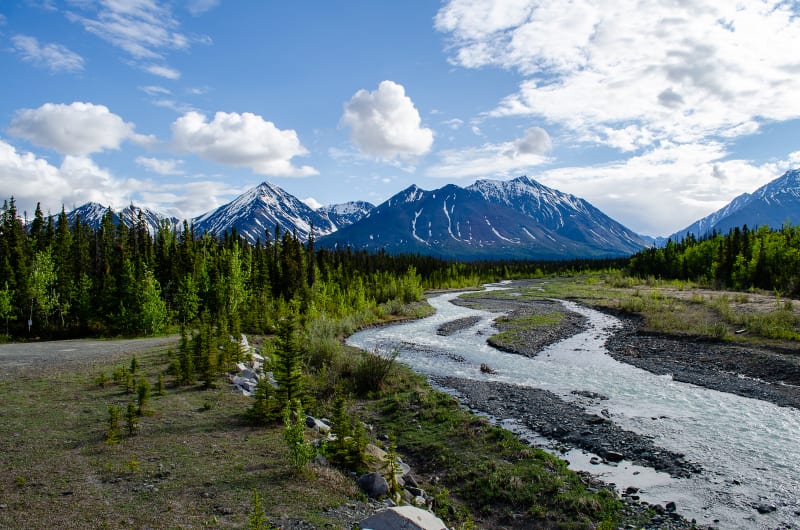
490, 219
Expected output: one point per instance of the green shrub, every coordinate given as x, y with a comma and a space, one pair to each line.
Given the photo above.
372, 370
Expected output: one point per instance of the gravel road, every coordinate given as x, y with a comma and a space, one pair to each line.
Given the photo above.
27, 355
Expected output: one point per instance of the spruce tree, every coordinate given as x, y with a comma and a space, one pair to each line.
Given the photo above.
288, 362
112, 434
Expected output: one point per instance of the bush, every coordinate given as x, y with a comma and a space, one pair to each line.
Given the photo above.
372, 371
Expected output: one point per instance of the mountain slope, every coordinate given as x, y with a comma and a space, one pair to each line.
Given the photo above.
347, 213
772, 205
256, 212
92, 213
517, 219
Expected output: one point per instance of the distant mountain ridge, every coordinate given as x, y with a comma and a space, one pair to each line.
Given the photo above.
491, 219
92, 213
773, 204
345, 214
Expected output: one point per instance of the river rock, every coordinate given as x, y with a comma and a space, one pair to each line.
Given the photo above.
402, 518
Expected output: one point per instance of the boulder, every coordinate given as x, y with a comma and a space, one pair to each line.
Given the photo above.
375, 454
317, 425
402, 518
373, 484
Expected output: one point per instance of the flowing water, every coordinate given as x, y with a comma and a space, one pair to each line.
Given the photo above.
749, 449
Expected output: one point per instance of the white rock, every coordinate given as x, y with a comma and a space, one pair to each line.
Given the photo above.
402, 518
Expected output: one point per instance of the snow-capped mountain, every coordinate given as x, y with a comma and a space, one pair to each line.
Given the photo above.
772, 205
92, 213
490, 219
347, 213
255, 213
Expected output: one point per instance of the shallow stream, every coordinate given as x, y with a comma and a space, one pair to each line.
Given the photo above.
749, 449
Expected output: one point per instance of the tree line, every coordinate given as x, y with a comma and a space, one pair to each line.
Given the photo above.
66, 279
742, 259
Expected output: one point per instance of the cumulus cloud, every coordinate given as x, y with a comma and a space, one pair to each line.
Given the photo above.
667, 188
74, 129
161, 166
79, 179
385, 123
30, 179
241, 140
492, 159
53, 57
684, 72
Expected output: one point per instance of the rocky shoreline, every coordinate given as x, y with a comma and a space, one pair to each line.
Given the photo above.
550, 416
758, 372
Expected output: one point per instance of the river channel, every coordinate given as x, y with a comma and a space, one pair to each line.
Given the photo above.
749, 449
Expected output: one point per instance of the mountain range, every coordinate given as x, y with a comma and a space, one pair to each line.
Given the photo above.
490, 219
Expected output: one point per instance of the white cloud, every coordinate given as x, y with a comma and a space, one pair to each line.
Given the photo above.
683, 72
160, 166
144, 29
74, 129
667, 188
163, 71
30, 179
54, 57
312, 203
491, 160
454, 123
198, 7
241, 140
155, 90
385, 123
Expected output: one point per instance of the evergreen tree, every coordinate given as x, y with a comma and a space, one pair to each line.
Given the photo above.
132, 419
288, 362
300, 450
112, 434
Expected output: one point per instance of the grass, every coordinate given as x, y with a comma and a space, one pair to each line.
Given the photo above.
514, 331
677, 307
195, 461
193, 464
517, 483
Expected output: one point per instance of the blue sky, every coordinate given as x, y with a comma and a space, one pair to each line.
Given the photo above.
658, 119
